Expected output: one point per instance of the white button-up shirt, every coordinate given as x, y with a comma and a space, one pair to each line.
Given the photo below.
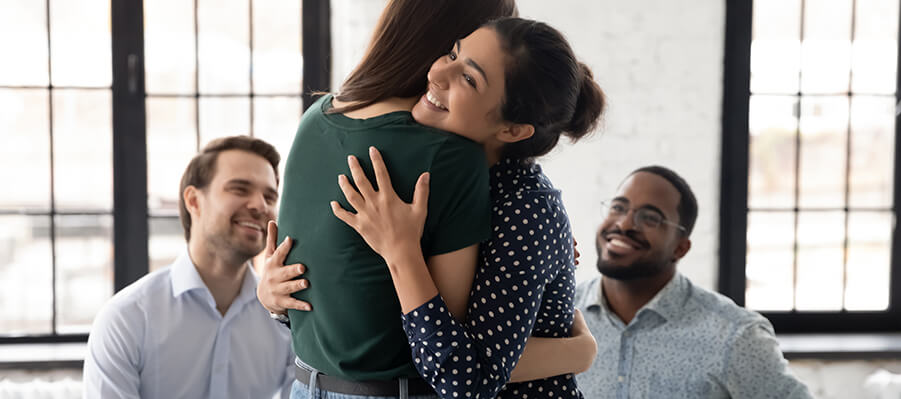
162, 337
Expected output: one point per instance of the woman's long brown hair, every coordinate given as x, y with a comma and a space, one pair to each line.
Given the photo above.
409, 37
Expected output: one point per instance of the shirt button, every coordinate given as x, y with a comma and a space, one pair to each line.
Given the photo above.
620, 378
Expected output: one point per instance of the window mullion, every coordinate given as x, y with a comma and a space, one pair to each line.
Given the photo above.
130, 225
316, 37
734, 158
895, 271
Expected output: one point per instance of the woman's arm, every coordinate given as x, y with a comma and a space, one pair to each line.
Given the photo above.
546, 357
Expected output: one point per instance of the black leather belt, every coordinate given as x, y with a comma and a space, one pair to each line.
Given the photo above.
415, 386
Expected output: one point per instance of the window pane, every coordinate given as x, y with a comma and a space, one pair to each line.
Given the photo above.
824, 126
872, 151
275, 121
770, 261
820, 260
84, 272
826, 49
224, 50
167, 241
23, 32
171, 143
223, 117
80, 43
875, 47
169, 46
869, 260
26, 138
277, 61
775, 47
772, 151
26, 265
82, 146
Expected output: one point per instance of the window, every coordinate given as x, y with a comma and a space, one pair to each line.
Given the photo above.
809, 180
103, 108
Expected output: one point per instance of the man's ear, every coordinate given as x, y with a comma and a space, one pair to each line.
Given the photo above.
515, 132
191, 197
682, 248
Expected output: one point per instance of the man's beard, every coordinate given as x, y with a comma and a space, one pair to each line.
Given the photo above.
637, 270
232, 248
642, 268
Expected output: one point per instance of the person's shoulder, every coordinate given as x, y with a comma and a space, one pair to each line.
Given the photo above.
131, 302
456, 155
455, 144
721, 309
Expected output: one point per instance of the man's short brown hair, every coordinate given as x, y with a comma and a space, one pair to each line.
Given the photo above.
202, 168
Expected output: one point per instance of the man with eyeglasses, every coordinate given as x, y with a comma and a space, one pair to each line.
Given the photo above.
658, 335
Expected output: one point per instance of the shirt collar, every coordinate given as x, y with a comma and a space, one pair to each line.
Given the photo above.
667, 303
512, 175
592, 297
185, 277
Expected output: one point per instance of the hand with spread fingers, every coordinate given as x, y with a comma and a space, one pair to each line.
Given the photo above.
391, 227
277, 280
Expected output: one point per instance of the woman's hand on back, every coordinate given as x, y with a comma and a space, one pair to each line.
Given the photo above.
391, 227
277, 281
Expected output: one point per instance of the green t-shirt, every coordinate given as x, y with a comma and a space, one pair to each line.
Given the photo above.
354, 330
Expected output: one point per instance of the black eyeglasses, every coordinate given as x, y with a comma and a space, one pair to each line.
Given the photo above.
643, 218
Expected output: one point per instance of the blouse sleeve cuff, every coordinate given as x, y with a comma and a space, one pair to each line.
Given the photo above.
426, 320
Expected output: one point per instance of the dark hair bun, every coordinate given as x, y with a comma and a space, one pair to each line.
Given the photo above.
589, 106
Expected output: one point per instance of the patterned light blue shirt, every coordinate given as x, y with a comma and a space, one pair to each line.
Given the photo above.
687, 342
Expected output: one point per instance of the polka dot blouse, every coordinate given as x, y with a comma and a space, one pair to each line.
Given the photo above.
524, 285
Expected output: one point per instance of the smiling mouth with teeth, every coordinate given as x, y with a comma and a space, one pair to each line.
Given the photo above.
620, 242
434, 100
251, 225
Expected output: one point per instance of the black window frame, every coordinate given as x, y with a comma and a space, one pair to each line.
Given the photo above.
734, 195
131, 216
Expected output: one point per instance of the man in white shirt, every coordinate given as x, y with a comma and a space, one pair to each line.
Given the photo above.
195, 329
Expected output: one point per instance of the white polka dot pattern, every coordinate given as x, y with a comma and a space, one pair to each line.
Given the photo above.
524, 285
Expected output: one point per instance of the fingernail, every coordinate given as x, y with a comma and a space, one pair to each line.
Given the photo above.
371, 150
425, 179
286, 239
350, 158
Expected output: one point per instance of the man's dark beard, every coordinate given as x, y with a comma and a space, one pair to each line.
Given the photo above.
637, 270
